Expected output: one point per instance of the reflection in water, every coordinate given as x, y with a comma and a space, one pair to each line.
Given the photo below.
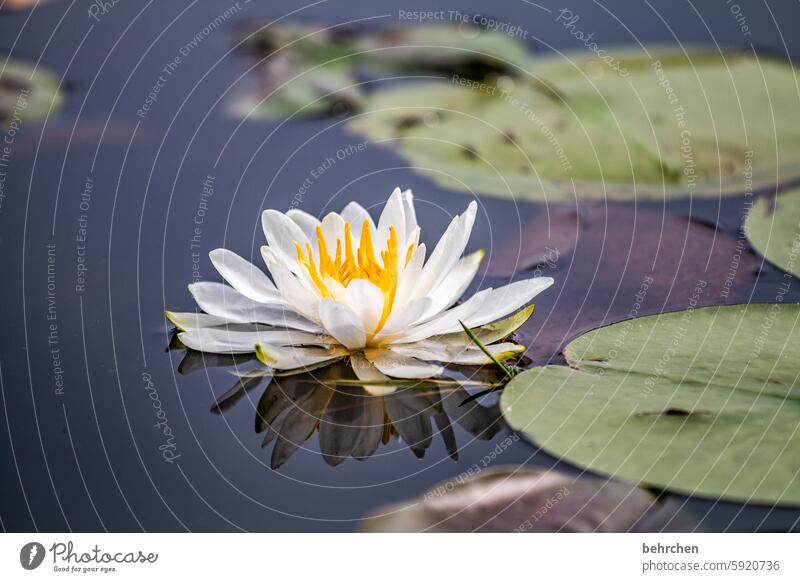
350, 421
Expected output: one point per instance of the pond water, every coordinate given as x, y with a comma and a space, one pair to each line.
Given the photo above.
114, 202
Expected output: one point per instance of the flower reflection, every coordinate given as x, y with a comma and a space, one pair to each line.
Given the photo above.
351, 422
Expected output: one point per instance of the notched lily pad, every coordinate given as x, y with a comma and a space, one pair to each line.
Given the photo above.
316, 70
673, 126
530, 500
25, 94
773, 227
705, 402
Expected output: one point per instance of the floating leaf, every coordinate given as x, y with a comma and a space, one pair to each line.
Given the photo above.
312, 70
773, 227
690, 125
26, 93
705, 402
530, 500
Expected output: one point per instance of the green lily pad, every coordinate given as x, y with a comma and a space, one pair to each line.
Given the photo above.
317, 70
705, 402
693, 125
773, 227
522, 499
25, 94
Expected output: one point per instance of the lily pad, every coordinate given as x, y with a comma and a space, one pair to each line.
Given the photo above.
530, 500
773, 227
674, 125
705, 402
310, 69
26, 94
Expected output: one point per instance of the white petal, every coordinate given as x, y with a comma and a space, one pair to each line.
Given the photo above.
290, 357
307, 223
455, 283
447, 321
336, 289
366, 372
507, 299
245, 277
447, 253
297, 291
282, 233
465, 355
403, 318
226, 302
412, 242
393, 215
409, 276
342, 323
410, 212
403, 367
332, 229
366, 301
186, 321
224, 341
356, 214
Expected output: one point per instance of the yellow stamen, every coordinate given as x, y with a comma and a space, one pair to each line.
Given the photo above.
365, 245
348, 245
324, 259
360, 263
311, 268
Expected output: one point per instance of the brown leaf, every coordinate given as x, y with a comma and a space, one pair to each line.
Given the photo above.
545, 240
530, 500
628, 262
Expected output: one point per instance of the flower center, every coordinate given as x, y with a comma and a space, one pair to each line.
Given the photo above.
348, 264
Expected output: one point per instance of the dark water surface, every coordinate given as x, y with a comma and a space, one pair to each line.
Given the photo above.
93, 455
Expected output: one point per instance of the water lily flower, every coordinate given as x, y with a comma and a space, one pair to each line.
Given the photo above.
347, 287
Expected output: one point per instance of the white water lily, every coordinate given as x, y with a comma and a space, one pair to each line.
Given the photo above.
346, 287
